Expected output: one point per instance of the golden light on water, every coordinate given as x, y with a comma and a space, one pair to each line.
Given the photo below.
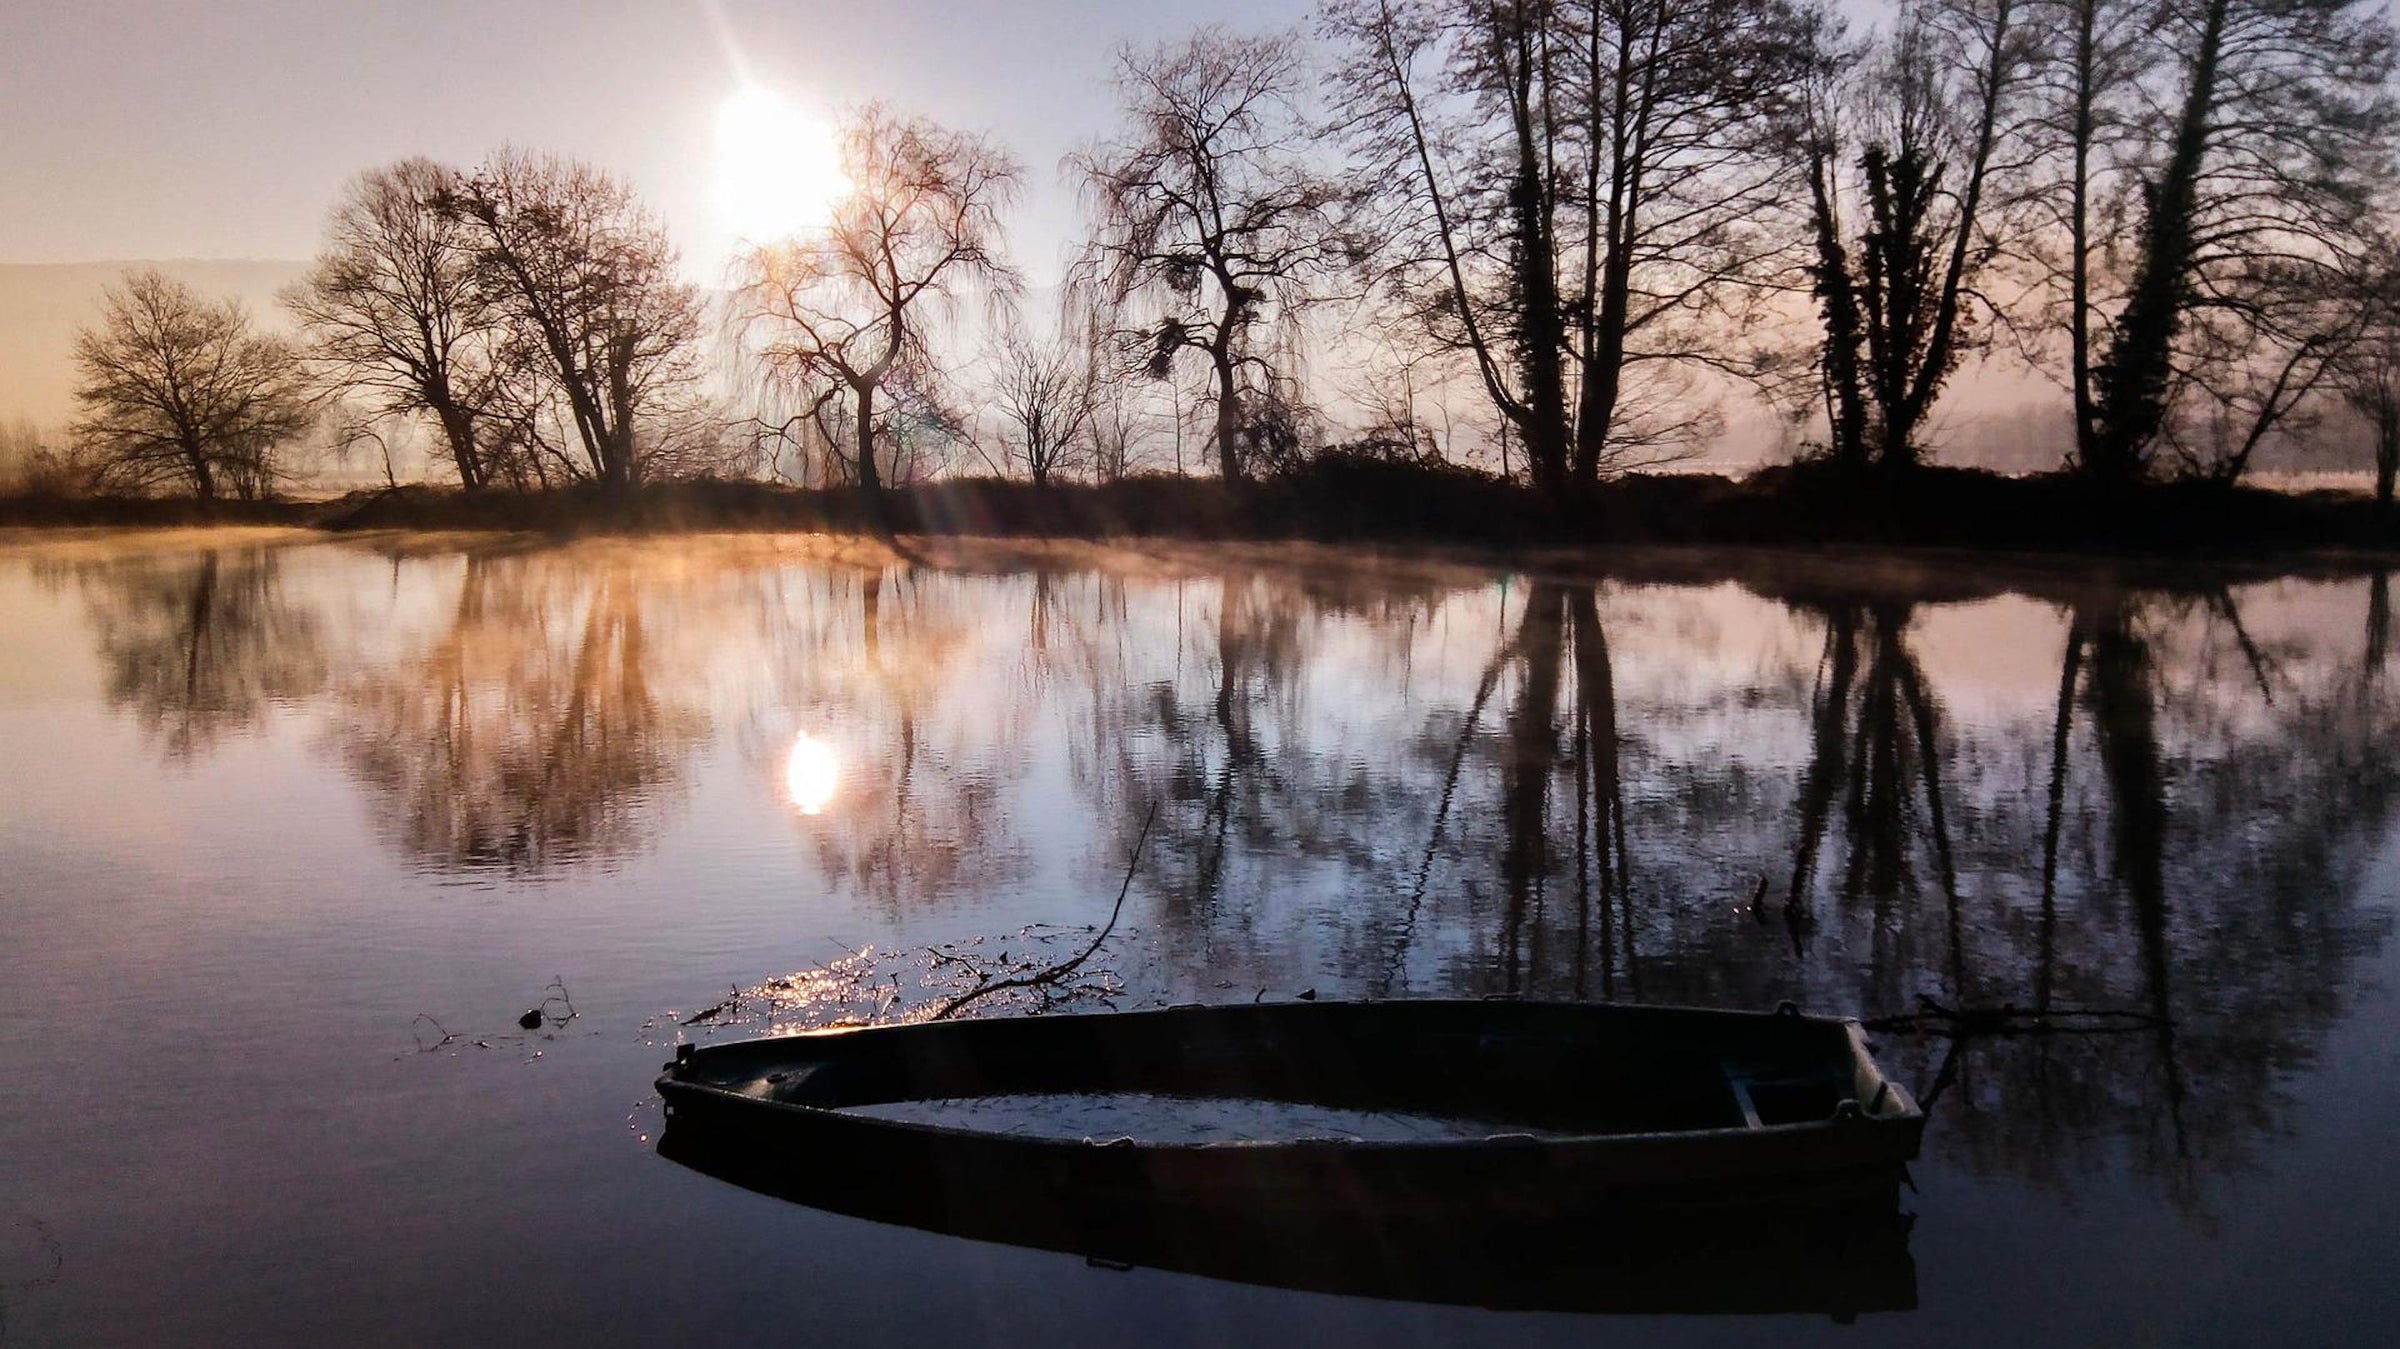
811, 774
779, 170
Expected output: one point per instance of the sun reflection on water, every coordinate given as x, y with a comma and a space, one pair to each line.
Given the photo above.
811, 774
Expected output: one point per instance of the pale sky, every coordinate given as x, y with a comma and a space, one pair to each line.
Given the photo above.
223, 128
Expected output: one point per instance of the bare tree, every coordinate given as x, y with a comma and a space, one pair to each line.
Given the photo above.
32, 462
1678, 101
178, 390
1046, 388
856, 306
1581, 198
585, 279
1940, 107
2368, 371
1118, 427
1465, 216
2089, 123
2276, 143
397, 315
1208, 209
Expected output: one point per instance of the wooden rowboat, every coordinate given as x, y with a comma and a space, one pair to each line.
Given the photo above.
1550, 1108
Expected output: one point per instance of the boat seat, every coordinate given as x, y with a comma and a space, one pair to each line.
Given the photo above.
1782, 1100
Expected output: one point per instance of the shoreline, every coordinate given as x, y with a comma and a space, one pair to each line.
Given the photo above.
1383, 507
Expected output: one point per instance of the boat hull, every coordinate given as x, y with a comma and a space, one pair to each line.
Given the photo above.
1598, 1086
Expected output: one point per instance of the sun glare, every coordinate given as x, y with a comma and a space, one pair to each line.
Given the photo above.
779, 170
811, 774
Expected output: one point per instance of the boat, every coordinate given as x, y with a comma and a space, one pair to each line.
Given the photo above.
1516, 1115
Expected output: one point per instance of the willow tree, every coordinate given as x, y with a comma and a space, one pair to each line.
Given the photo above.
1209, 214
853, 309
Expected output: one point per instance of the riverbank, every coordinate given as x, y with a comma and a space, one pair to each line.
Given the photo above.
1360, 502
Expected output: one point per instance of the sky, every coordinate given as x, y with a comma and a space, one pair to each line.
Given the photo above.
224, 128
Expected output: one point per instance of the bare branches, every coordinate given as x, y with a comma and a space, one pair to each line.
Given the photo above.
1938, 110
177, 390
1207, 214
856, 306
599, 331
397, 319
1054, 973
2276, 157
1048, 391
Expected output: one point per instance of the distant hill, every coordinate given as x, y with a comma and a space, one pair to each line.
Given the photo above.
42, 304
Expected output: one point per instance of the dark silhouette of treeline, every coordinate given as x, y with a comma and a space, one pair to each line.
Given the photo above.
1555, 240
1339, 500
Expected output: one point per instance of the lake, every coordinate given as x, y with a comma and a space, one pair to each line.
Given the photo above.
294, 830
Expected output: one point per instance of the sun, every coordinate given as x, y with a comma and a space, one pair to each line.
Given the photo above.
811, 774
779, 170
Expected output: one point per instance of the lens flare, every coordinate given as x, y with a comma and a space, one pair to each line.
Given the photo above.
811, 774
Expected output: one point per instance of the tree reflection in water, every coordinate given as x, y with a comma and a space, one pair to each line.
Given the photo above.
1435, 782
528, 734
198, 645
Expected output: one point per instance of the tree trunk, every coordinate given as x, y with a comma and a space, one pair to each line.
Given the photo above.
1604, 362
1541, 332
868, 478
1901, 317
204, 478
617, 427
458, 428
1837, 301
2079, 229
2132, 385
1229, 419
2387, 454
1607, 311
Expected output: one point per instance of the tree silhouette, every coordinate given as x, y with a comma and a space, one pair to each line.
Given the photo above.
855, 306
177, 390
397, 315
1207, 210
598, 323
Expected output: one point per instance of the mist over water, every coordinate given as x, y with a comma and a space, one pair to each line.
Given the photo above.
280, 813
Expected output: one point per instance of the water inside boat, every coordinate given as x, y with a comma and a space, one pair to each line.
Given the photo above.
1158, 1117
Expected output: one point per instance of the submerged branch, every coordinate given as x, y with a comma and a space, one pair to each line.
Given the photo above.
1054, 973
1962, 1023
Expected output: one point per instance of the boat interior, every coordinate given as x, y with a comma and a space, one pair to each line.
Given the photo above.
1541, 1069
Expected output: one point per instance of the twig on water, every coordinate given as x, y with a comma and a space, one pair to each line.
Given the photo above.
448, 1035
1052, 974
1962, 1023
554, 997
732, 1003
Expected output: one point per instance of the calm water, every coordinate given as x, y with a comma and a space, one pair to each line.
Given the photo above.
277, 815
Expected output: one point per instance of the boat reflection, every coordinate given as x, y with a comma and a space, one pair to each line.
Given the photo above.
1840, 1264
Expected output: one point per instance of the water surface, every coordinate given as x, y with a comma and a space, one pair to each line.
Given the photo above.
292, 832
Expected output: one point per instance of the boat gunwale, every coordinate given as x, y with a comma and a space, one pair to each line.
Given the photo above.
1903, 1110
